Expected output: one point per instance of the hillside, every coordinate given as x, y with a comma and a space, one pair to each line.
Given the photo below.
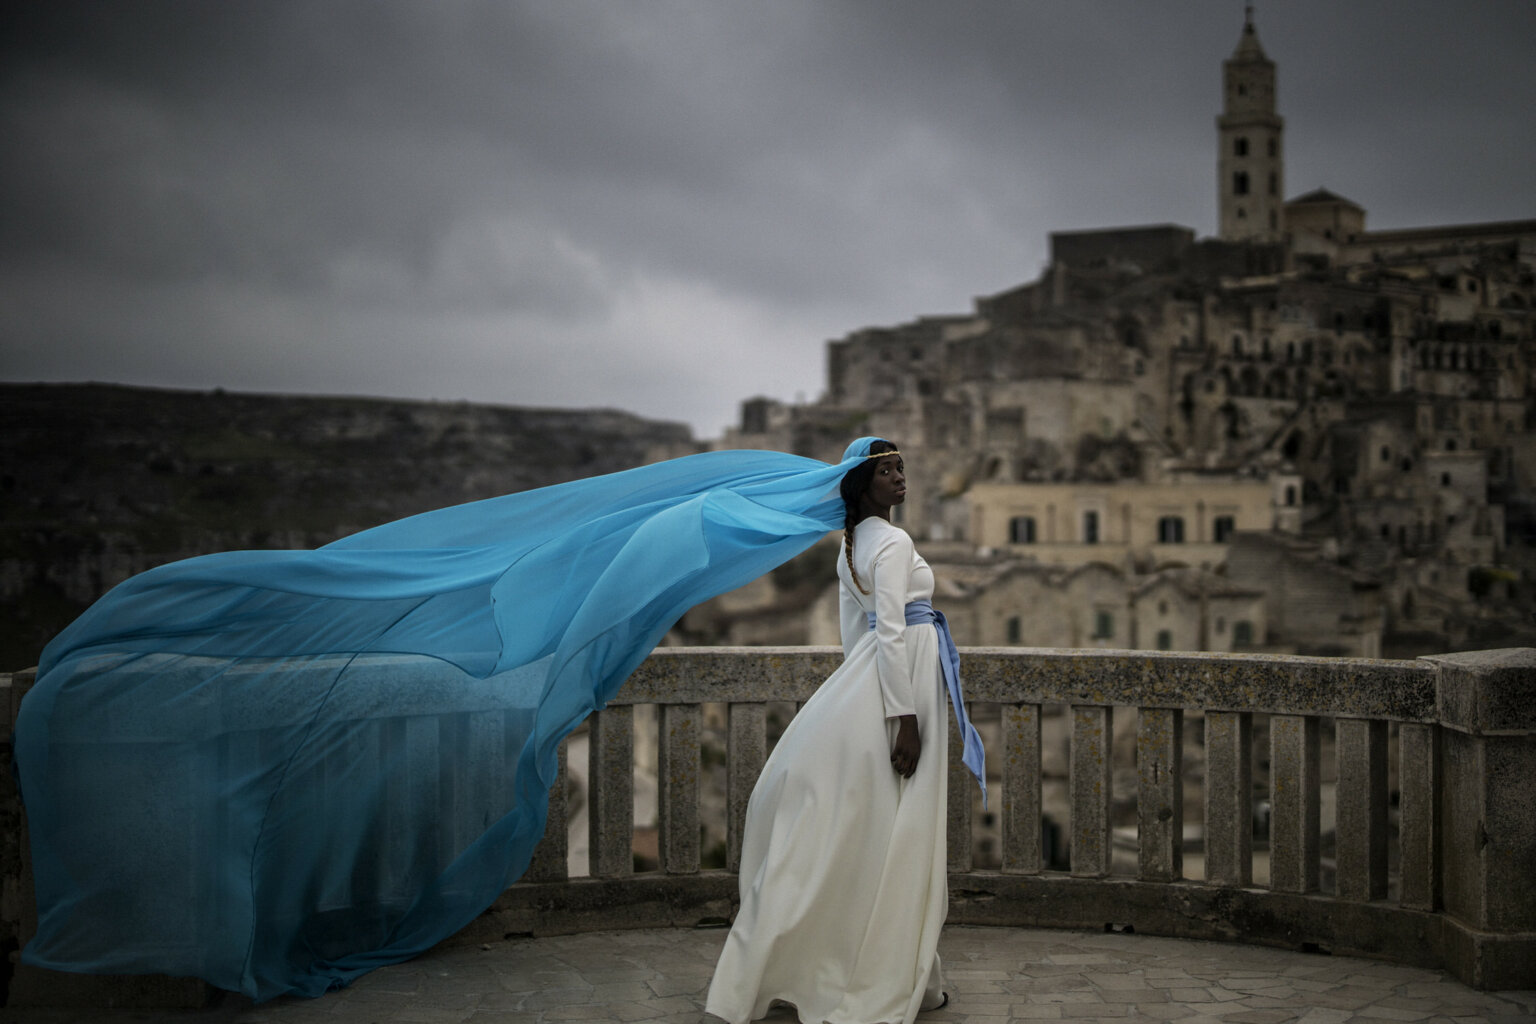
98, 482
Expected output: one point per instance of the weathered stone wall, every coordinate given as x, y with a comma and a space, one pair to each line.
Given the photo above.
1151, 247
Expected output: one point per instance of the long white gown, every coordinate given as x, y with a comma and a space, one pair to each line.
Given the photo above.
843, 884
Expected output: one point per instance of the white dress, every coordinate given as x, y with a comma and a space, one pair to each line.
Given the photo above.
843, 884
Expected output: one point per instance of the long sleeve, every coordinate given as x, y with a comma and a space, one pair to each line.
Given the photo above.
890, 571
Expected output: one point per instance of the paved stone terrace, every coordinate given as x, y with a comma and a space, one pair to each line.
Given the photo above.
993, 975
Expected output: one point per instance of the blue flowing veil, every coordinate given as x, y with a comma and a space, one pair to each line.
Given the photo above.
278, 770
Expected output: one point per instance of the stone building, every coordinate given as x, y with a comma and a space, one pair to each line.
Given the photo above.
1311, 603
1289, 352
1133, 524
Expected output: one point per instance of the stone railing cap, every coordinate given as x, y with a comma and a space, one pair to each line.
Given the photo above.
1487, 691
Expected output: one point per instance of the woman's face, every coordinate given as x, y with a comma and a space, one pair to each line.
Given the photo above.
889, 485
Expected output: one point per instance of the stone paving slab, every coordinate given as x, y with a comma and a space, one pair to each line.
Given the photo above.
993, 975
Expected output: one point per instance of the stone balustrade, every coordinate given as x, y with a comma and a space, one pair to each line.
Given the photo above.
1434, 849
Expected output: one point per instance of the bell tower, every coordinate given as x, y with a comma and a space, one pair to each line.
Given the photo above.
1250, 164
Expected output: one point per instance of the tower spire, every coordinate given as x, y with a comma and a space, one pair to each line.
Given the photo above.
1250, 163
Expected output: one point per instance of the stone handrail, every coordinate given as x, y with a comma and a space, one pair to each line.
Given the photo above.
1465, 726
1464, 885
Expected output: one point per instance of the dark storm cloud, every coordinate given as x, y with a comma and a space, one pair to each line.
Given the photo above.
662, 205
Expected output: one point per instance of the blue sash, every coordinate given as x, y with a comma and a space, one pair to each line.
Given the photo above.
974, 757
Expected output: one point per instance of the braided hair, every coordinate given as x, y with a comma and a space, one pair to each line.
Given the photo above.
855, 482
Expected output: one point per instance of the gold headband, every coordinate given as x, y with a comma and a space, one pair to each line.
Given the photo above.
880, 455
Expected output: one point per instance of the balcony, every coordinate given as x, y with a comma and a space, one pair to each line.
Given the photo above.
1434, 827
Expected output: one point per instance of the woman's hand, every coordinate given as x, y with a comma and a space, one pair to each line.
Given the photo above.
908, 747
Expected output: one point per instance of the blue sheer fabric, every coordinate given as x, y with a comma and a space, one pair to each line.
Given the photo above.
277, 770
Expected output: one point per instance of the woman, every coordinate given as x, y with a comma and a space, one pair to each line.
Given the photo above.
843, 887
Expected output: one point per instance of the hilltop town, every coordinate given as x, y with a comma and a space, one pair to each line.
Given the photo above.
1301, 435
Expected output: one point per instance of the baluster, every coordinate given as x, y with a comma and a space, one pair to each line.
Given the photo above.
1294, 803
452, 734
1361, 829
393, 824
1160, 794
746, 746
1229, 798
1418, 779
346, 747
549, 857
420, 815
1091, 773
678, 788
1021, 789
485, 783
611, 792
958, 824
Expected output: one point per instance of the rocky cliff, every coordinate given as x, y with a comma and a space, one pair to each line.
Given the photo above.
99, 482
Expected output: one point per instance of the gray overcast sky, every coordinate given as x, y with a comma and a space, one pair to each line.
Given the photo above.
665, 206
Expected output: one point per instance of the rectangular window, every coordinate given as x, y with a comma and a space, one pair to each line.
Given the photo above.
1015, 630
1222, 529
1021, 530
1090, 527
1170, 530
1164, 640
1103, 625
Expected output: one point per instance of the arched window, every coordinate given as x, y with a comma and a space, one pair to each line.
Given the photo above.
1021, 530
